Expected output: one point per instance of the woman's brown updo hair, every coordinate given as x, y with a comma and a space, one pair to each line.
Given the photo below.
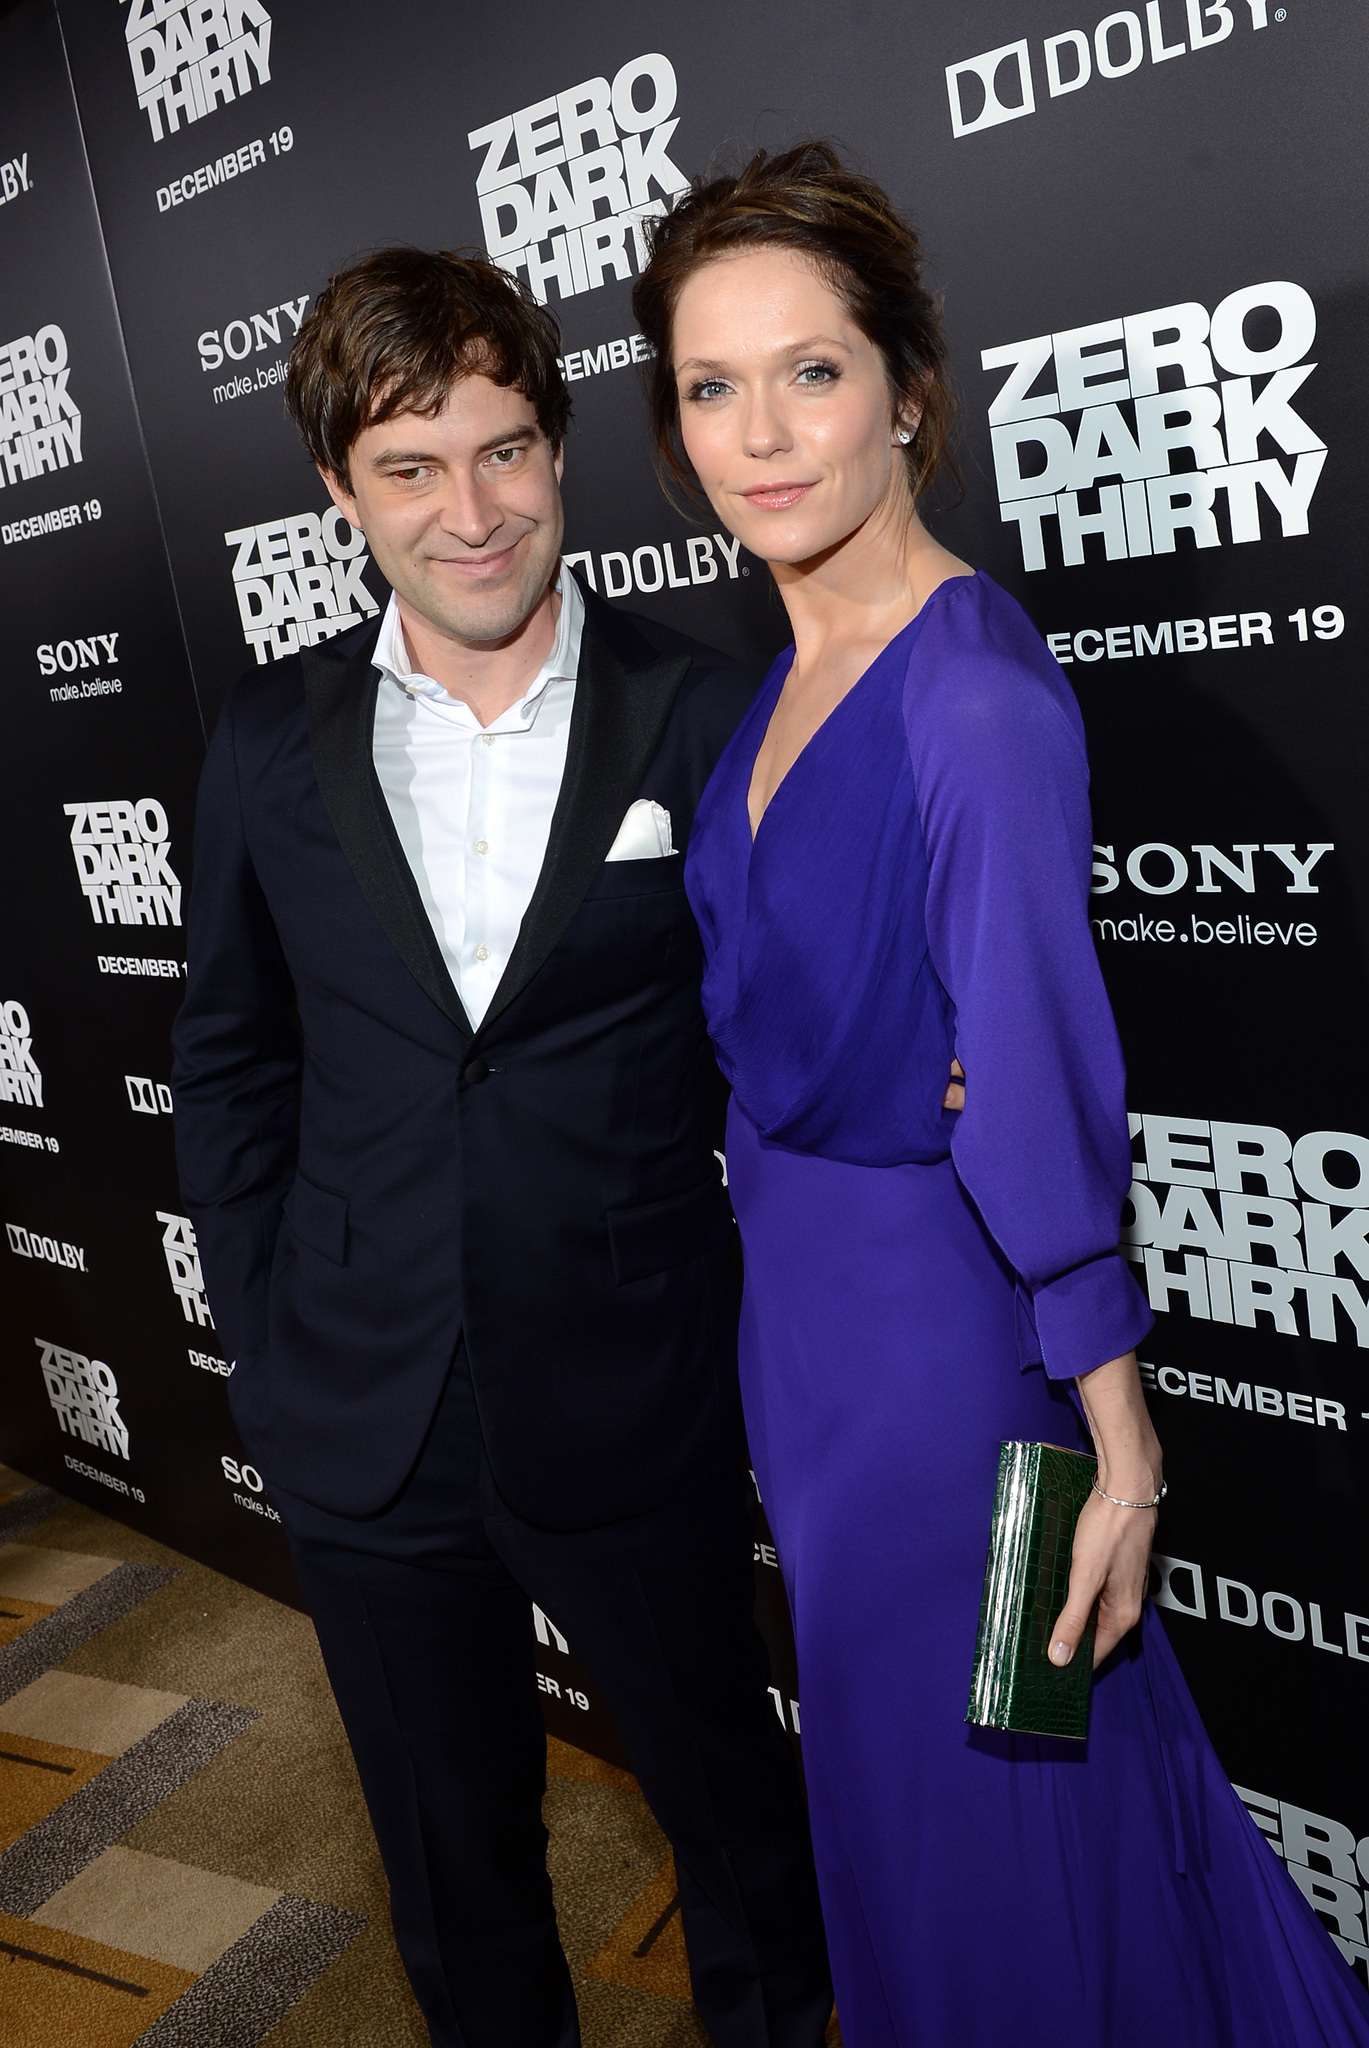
804, 199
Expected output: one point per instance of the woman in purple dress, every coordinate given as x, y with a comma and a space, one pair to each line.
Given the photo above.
890, 870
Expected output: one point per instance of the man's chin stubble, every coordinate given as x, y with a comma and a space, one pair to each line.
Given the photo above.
495, 620
492, 614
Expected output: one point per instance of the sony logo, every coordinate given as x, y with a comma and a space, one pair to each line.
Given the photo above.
69, 655
241, 338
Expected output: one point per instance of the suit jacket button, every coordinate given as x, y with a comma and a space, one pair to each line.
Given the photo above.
478, 1070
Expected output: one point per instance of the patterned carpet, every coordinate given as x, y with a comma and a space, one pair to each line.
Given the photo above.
185, 1860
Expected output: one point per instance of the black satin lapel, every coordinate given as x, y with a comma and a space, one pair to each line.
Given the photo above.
616, 726
340, 696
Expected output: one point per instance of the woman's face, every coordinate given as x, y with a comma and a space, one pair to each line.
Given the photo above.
785, 407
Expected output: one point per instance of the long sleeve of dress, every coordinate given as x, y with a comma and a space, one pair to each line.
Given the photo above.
999, 761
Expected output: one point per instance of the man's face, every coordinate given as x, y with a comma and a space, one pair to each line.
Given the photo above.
462, 512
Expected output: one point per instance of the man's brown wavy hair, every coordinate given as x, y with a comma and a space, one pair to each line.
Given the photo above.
391, 333
847, 226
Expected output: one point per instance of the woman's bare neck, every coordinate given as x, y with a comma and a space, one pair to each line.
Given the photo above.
846, 605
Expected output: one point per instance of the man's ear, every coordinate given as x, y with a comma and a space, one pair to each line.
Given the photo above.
340, 495
559, 461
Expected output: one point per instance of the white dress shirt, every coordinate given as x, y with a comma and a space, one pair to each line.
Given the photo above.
472, 804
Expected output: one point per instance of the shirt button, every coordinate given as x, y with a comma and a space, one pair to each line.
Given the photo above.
482, 952
488, 738
482, 845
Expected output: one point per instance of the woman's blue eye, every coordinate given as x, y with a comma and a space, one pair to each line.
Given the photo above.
820, 372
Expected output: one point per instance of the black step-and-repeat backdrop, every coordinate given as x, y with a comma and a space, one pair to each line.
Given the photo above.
113, 1383
1148, 227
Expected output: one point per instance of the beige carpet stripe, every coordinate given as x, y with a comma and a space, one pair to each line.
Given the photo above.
30, 1572
253, 1984
155, 1907
51, 1854
52, 1640
87, 1713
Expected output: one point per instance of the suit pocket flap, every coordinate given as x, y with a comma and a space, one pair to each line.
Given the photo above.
318, 1218
661, 876
654, 1236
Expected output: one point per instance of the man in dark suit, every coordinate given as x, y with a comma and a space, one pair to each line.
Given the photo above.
445, 1120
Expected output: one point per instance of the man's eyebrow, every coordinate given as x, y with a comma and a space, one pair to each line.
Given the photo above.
400, 458
405, 458
512, 439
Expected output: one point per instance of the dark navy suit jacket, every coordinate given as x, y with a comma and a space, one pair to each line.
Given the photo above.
369, 1177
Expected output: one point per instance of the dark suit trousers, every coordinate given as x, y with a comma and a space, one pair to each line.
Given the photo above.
423, 1615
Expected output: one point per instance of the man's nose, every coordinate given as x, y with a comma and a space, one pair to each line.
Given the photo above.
469, 512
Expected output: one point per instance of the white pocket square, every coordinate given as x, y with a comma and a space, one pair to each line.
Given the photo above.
644, 833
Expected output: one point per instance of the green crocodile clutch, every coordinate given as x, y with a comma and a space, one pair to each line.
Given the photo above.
1041, 1490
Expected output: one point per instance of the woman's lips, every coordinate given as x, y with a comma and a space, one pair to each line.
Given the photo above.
777, 497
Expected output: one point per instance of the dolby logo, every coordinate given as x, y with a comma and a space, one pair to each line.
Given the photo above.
14, 178
703, 558
148, 1098
32, 1244
1001, 85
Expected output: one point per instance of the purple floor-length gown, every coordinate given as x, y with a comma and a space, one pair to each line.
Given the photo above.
920, 1286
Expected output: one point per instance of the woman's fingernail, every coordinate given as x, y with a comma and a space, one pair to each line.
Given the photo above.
1061, 1653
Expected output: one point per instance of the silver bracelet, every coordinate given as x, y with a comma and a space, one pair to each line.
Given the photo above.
1164, 1489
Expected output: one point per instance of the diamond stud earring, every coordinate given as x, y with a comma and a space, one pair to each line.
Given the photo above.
904, 436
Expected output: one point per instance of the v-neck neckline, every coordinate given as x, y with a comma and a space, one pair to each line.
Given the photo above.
916, 620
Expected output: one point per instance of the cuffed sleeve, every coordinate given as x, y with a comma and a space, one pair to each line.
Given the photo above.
1041, 1146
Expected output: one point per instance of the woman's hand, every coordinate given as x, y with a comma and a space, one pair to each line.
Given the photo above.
954, 1098
1111, 1561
